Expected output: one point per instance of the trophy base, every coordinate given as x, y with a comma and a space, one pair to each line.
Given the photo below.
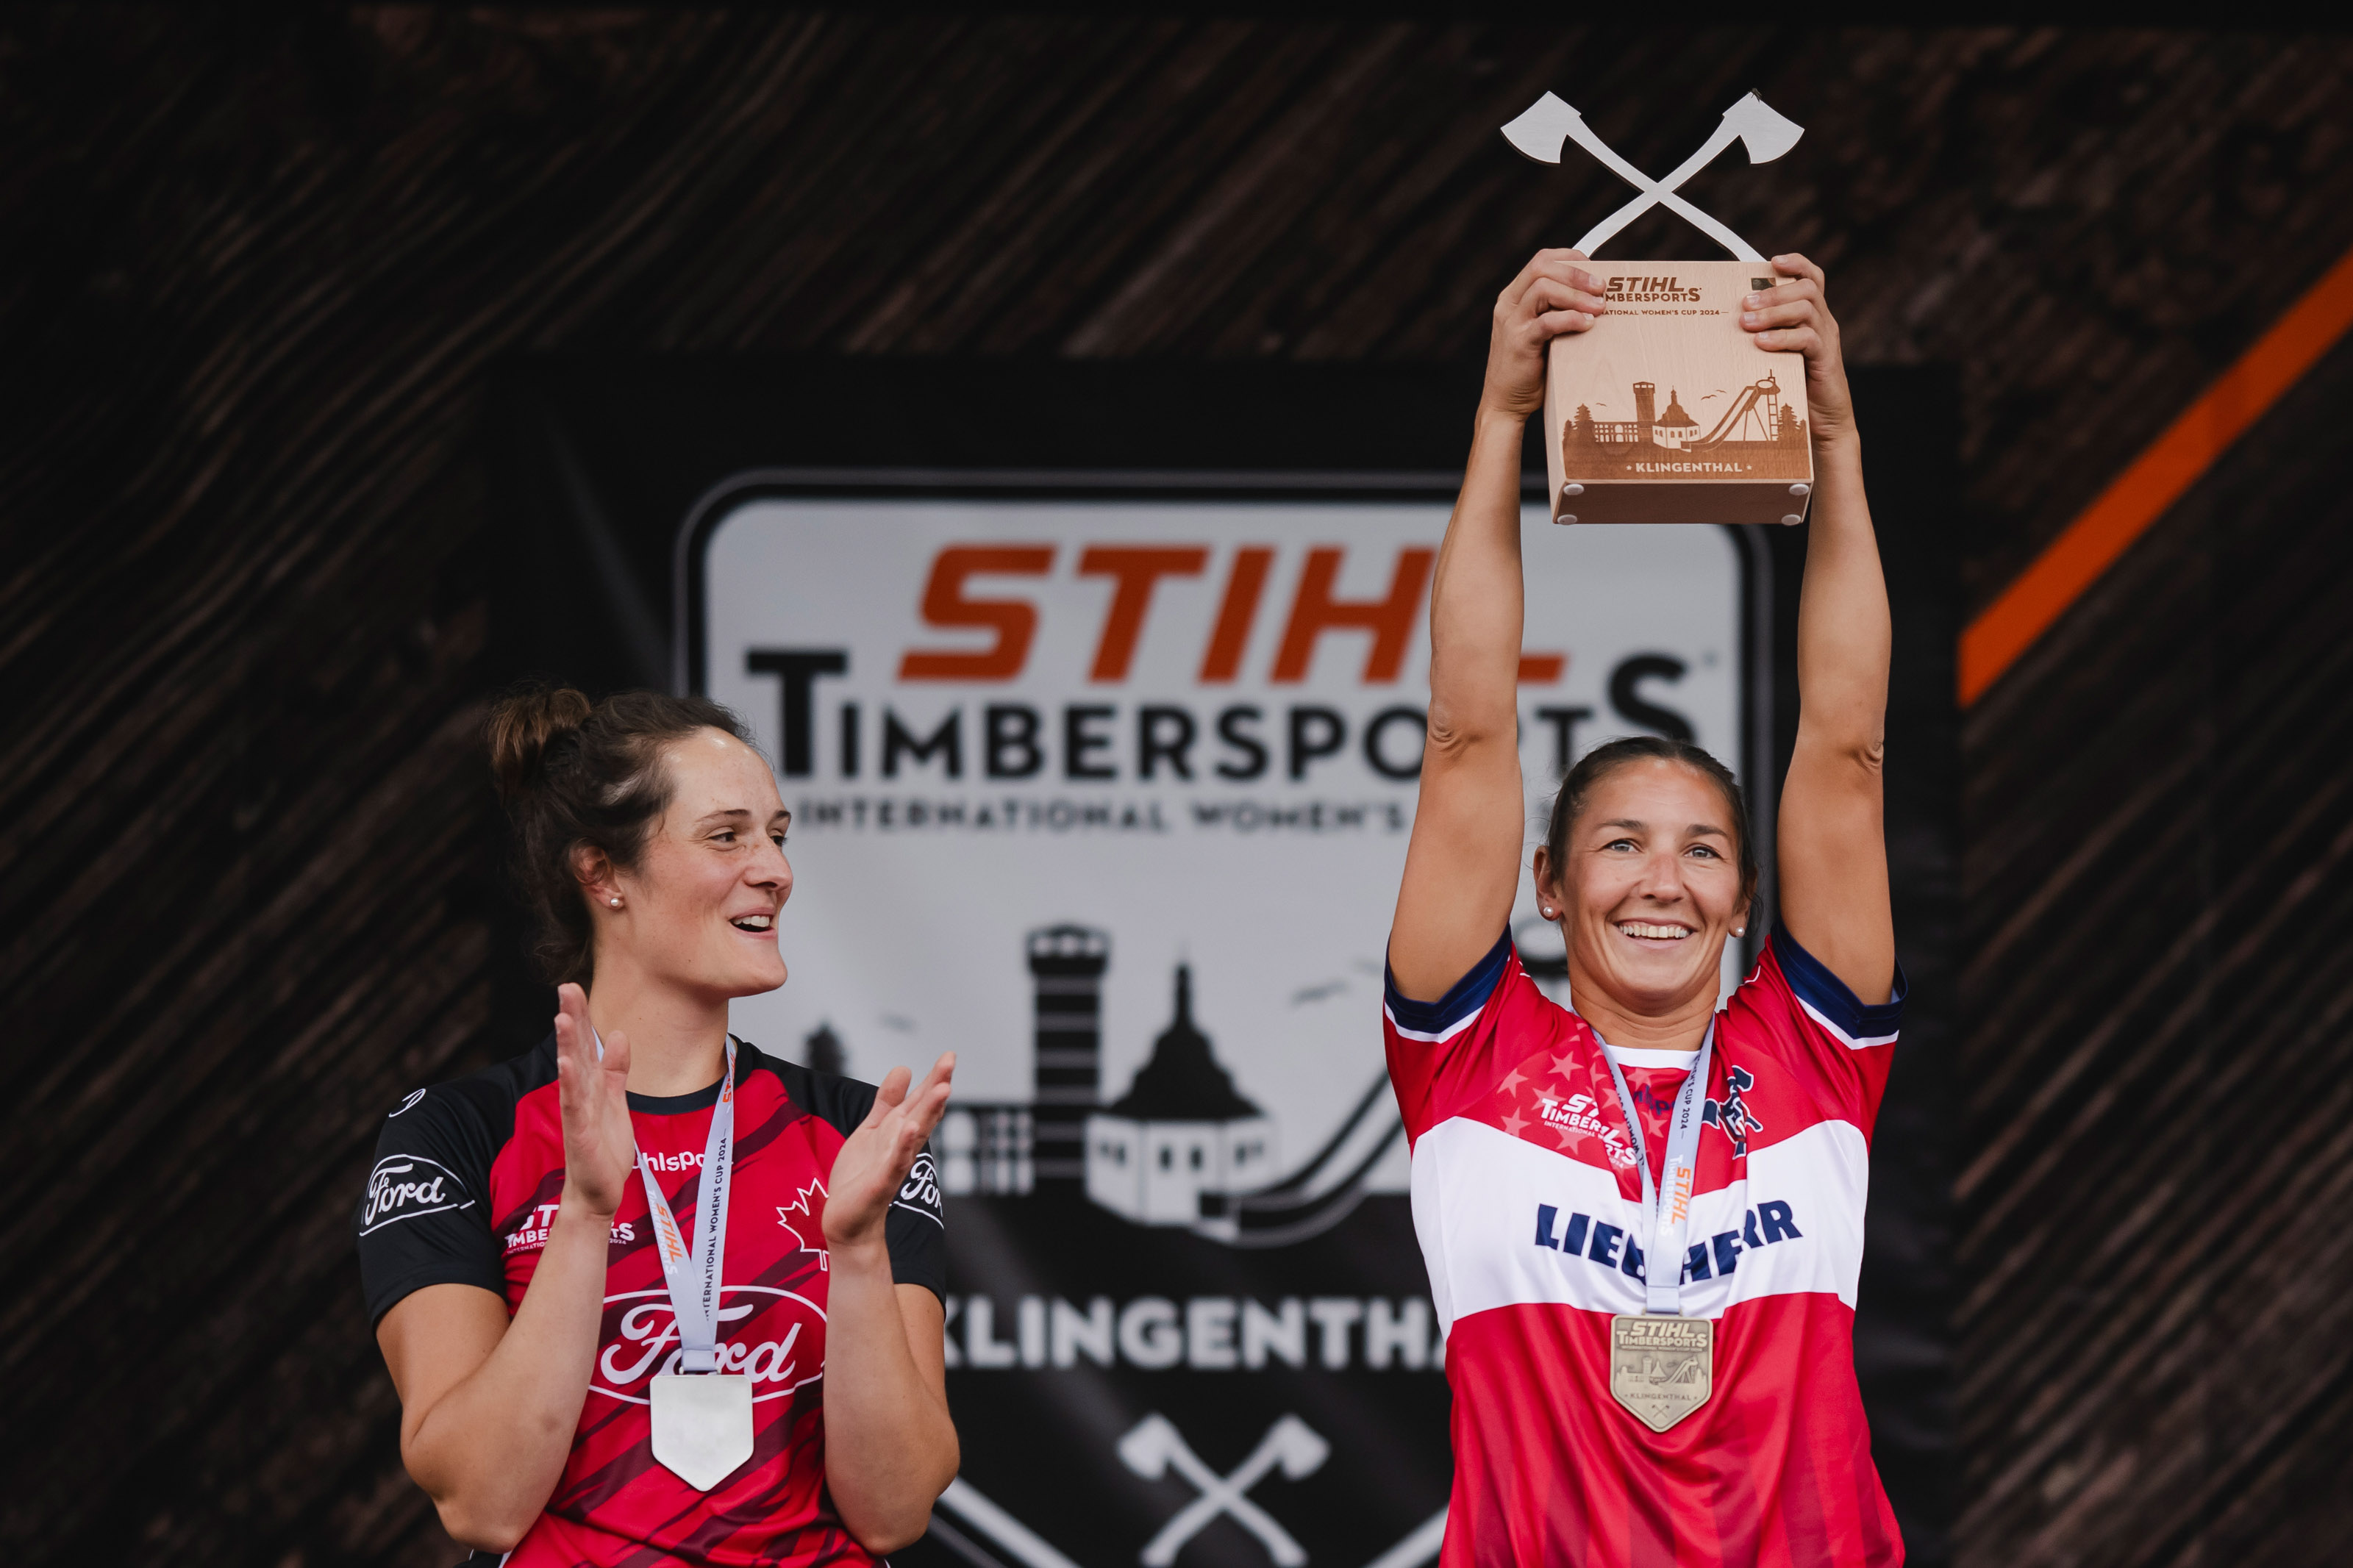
1713, 501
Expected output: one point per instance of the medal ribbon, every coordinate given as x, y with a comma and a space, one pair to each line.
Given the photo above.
1669, 1211
695, 1276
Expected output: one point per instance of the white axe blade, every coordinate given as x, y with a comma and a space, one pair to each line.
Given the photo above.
1300, 1447
1766, 134
1146, 1449
1541, 128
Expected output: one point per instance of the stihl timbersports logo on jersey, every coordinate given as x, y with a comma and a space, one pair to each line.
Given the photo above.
540, 1218
405, 1186
1730, 1115
1579, 1113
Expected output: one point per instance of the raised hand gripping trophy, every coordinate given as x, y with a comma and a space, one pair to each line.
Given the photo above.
1730, 444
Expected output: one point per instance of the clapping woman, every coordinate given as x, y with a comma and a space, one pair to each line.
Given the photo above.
649, 1295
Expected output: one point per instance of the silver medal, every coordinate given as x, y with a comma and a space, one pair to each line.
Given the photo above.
703, 1425
702, 1412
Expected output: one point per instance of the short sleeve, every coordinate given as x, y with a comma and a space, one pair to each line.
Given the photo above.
1437, 1051
915, 1230
1835, 1045
422, 1220
1833, 1010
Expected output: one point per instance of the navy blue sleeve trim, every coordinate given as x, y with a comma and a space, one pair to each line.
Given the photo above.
1463, 999
1826, 994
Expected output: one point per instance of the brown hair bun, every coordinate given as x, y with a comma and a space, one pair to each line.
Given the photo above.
521, 728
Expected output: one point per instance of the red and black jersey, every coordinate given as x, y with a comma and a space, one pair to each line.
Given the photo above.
468, 1177
1527, 1199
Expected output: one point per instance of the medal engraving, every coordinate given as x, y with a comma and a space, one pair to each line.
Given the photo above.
1661, 1368
702, 1425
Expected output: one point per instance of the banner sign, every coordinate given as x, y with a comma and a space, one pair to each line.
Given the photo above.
1109, 794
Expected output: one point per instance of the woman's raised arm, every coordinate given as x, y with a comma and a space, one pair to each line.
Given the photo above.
1833, 847
1462, 864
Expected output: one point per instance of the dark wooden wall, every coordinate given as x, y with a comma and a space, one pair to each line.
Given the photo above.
259, 264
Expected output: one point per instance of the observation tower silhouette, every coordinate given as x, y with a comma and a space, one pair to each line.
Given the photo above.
1067, 962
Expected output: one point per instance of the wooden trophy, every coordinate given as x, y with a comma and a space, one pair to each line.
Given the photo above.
1667, 411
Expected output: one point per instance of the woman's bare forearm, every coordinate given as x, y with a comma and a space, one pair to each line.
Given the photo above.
489, 1452
1832, 844
1477, 597
889, 1447
1462, 862
1844, 636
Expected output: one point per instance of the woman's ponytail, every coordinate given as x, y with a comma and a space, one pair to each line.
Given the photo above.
523, 726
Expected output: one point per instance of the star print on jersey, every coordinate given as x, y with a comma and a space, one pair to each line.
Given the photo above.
1552, 1100
812, 1217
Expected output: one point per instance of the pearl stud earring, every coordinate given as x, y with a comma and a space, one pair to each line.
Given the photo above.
615, 902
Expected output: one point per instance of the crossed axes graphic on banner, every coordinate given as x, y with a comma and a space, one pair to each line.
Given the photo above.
1548, 122
1153, 1446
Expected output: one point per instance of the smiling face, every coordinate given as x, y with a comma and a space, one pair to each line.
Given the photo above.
1648, 888
699, 910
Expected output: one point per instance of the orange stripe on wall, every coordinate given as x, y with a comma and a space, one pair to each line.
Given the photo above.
2156, 479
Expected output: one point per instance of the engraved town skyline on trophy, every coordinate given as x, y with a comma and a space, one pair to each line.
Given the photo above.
1673, 324
1758, 433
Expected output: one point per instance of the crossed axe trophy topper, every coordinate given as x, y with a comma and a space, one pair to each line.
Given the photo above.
1153, 1446
1548, 122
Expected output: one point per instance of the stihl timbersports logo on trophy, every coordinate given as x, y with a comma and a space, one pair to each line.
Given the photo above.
1677, 326
1649, 291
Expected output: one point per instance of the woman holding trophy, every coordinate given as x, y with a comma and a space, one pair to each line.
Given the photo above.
1642, 1213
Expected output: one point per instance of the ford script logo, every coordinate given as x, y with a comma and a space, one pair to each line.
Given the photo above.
772, 1337
403, 1186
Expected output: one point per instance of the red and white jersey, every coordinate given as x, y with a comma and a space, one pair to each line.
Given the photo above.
466, 1184
1528, 1203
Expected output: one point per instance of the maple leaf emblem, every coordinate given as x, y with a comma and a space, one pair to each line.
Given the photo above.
811, 1217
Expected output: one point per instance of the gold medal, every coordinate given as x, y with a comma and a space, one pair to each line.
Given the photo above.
1661, 1368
